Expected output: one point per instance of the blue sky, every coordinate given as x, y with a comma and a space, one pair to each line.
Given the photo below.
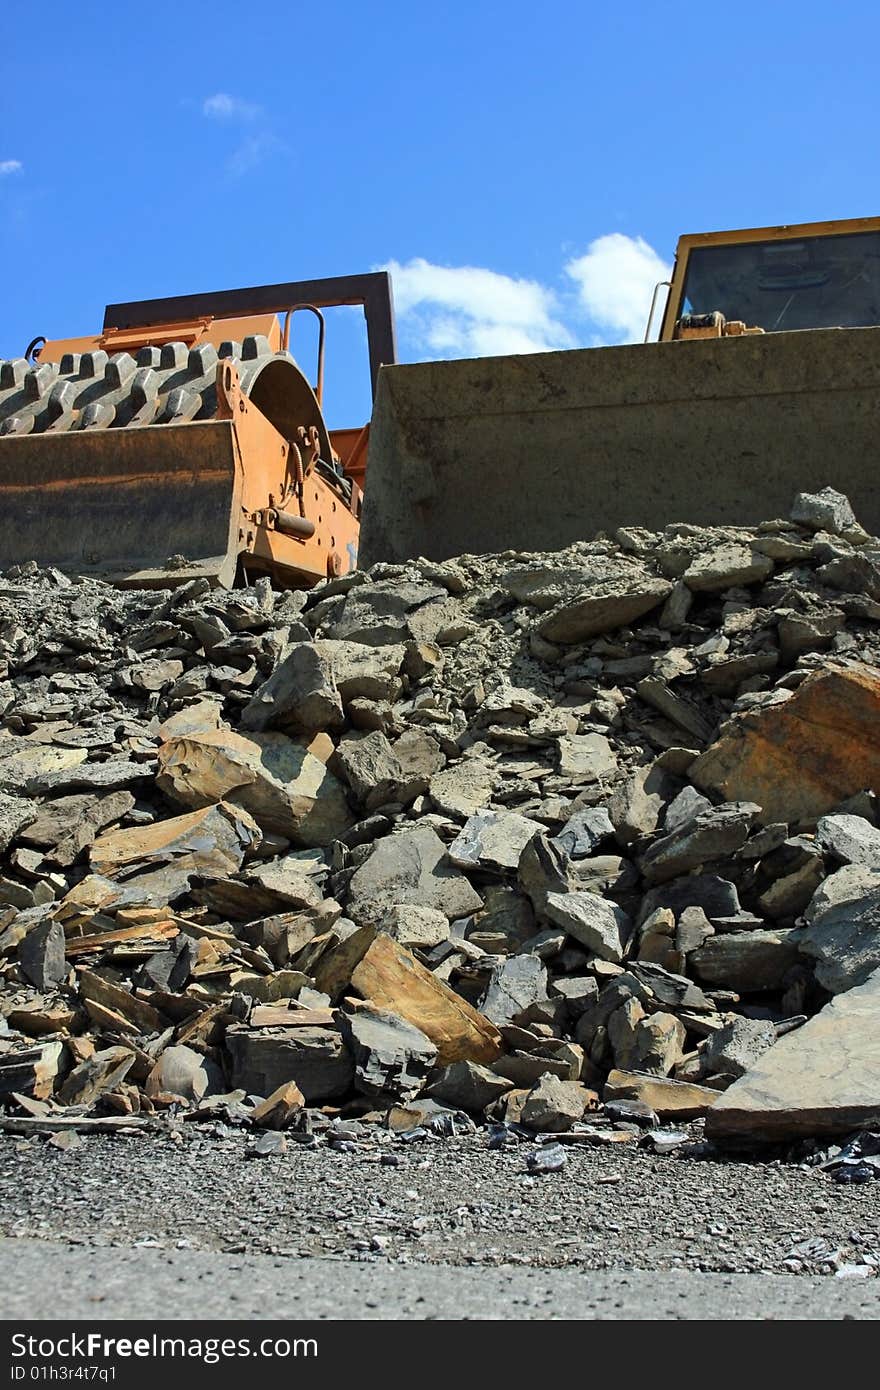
524, 169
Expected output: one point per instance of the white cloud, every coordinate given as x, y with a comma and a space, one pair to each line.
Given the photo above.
223, 107
469, 311
10, 166
615, 280
252, 152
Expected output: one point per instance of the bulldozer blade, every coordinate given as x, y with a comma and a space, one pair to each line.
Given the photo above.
536, 452
151, 506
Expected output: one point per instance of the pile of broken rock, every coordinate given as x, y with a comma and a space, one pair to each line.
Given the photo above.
556, 841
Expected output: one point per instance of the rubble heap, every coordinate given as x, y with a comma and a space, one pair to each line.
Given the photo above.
564, 841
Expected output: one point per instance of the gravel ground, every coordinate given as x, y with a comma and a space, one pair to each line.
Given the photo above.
450, 1201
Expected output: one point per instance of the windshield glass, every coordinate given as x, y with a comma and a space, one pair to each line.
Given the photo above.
821, 282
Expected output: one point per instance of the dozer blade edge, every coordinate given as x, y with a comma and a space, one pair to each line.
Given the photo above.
537, 452
153, 506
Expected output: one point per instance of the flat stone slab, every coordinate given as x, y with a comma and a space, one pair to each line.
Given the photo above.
822, 1080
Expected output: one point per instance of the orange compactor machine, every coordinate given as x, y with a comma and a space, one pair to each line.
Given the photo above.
185, 441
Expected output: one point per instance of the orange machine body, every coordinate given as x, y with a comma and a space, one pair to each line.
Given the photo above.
215, 457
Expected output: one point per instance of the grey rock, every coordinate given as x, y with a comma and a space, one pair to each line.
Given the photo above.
713, 834
789, 894
727, 565
716, 896
464, 788
370, 766
676, 608
636, 806
601, 926
845, 942
543, 869
41, 955
419, 756
674, 707
16, 812
609, 604
493, 841
392, 612
271, 1144
552, 1105
299, 695
392, 1058
365, 673
262, 1059
847, 885
684, 808
549, 1159
808, 632
507, 914
747, 961
651, 1043
852, 574
586, 758
667, 987
693, 929
467, 1086
821, 1080
181, 1071
99, 814
55, 820
417, 928
584, 831
850, 839
734, 1049
110, 776
578, 991
410, 867
513, 985
823, 511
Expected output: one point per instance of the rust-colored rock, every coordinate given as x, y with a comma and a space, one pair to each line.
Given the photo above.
393, 979
285, 788
801, 758
671, 1100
